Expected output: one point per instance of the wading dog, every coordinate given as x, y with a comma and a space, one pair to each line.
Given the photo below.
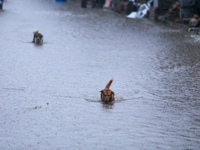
37, 37
106, 94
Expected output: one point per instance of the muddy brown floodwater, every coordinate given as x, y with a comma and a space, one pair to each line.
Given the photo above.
49, 94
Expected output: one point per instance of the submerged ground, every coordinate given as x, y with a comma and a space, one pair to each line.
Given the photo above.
49, 94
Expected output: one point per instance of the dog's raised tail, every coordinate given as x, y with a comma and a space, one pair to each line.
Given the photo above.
109, 83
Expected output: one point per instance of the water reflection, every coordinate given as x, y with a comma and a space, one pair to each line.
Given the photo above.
37, 45
108, 105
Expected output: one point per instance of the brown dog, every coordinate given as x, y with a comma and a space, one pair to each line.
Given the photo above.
106, 94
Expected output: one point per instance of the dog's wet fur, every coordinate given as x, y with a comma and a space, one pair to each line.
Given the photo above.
107, 95
37, 37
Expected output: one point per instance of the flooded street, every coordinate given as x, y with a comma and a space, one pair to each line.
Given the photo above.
49, 93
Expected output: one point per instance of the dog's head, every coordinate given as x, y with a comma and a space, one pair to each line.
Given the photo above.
38, 38
107, 95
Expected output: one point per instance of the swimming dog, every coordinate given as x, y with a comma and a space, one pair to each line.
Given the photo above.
107, 95
37, 37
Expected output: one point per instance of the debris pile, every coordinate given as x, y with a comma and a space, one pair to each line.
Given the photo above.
173, 14
134, 8
178, 11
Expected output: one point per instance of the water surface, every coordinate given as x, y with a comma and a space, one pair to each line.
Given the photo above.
50, 95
